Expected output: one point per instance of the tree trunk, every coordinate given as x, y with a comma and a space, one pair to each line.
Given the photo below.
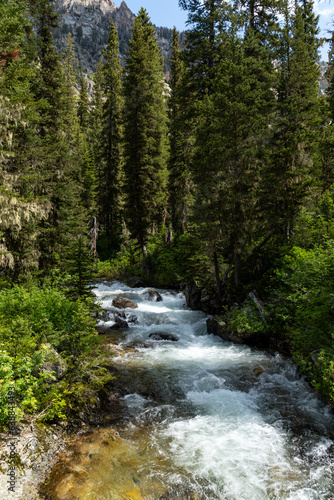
183, 218
237, 268
218, 283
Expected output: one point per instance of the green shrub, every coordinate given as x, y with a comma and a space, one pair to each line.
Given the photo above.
31, 319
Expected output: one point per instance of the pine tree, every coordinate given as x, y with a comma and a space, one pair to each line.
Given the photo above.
20, 207
89, 179
96, 122
111, 156
96, 109
145, 131
180, 141
290, 175
69, 64
48, 85
326, 140
59, 165
261, 17
83, 106
207, 20
233, 130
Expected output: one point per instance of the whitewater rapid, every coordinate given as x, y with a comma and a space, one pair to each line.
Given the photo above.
221, 421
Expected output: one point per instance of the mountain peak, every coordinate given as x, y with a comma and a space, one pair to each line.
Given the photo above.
88, 21
124, 6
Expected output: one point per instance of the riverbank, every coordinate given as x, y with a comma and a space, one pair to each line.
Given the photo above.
37, 448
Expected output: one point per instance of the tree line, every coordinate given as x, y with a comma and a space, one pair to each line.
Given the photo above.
221, 176
230, 149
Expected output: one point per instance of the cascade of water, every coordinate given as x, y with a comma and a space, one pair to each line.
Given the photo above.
220, 421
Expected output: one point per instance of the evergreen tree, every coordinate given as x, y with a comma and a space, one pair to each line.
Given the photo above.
20, 206
96, 121
261, 16
180, 141
326, 139
59, 164
83, 106
291, 169
145, 131
207, 20
49, 84
96, 108
111, 141
89, 179
69, 65
232, 134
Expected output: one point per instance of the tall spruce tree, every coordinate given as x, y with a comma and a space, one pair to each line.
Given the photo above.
291, 169
145, 131
96, 122
326, 143
206, 19
111, 156
232, 132
180, 141
83, 105
59, 164
69, 64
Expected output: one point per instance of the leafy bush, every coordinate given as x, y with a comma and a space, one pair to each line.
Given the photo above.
32, 319
303, 310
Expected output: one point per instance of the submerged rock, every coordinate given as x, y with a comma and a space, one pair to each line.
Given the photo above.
122, 303
132, 318
163, 336
120, 322
137, 344
258, 370
152, 295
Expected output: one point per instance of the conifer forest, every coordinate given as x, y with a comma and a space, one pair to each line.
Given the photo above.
215, 179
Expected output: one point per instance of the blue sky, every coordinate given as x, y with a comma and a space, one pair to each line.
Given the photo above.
168, 13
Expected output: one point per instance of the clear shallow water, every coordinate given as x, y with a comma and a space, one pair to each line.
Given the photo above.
209, 419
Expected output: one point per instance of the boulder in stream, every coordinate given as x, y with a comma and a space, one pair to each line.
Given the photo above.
163, 336
122, 303
152, 295
120, 323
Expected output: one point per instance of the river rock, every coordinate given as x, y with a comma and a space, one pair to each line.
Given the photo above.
122, 303
120, 322
163, 336
218, 327
131, 318
258, 370
152, 295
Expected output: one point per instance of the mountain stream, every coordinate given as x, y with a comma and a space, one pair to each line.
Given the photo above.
203, 418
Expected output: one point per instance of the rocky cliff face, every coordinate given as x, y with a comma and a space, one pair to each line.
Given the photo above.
88, 22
